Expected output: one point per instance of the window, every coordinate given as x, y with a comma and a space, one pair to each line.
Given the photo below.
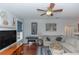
51, 27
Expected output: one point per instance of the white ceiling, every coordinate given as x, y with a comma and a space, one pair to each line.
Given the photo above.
28, 10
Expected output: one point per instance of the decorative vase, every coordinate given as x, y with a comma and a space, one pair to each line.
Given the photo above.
5, 22
14, 22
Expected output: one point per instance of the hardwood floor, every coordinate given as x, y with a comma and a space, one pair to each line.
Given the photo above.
30, 50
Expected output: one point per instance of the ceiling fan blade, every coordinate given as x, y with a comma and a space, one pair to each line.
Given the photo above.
42, 14
41, 10
58, 10
51, 5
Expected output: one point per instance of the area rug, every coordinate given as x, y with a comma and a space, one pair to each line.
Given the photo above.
42, 50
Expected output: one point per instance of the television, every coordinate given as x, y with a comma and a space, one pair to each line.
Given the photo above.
7, 37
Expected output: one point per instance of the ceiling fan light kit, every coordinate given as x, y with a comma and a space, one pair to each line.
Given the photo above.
48, 13
50, 10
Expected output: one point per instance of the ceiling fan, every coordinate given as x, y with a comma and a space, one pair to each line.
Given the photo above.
50, 10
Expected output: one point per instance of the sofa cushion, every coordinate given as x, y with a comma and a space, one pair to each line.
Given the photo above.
77, 44
69, 47
71, 41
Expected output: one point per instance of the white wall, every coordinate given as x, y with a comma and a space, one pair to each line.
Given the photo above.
9, 20
41, 25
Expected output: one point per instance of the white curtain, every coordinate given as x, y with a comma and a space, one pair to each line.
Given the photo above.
69, 30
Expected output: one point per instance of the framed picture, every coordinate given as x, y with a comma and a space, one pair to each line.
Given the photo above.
51, 27
34, 28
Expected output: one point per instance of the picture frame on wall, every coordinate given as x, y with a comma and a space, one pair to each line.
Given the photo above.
34, 28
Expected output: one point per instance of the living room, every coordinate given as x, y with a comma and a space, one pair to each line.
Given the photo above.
37, 33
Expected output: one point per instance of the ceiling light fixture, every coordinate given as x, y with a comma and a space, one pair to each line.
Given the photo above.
49, 12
